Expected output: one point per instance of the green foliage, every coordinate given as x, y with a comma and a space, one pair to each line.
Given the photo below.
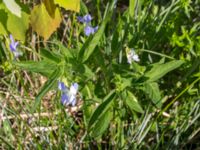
153, 91
47, 87
102, 109
159, 70
147, 103
132, 103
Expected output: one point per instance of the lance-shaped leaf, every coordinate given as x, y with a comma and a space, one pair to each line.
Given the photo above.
13, 7
101, 109
102, 124
44, 21
43, 67
69, 5
47, 87
132, 103
158, 71
153, 92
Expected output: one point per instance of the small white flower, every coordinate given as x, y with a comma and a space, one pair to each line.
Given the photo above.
132, 56
72, 93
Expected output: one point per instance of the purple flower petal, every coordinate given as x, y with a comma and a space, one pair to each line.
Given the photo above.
88, 30
64, 99
80, 19
68, 97
61, 86
12, 39
95, 29
13, 44
85, 19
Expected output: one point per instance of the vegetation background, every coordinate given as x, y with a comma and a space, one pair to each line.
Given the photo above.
153, 103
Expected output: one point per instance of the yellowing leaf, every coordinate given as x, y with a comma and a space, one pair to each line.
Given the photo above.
44, 23
2, 29
50, 7
3, 21
13, 7
18, 26
69, 4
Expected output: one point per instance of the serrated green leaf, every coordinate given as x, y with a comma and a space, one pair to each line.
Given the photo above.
69, 5
18, 26
13, 7
102, 124
43, 67
47, 87
68, 53
132, 103
153, 92
43, 22
51, 56
84, 71
158, 71
101, 109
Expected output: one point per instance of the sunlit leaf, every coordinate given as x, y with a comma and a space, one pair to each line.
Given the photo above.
13, 7
69, 4
43, 23
3, 20
2, 29
153, 92
101, 109
132, 103
18, 26
43, 67
159, 71
47, 87
102, 124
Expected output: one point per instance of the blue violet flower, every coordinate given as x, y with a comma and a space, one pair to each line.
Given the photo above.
68, 96
85, 19
88, 30
13, 47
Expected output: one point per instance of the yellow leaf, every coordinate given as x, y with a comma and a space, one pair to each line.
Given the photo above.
2, 29
69, 4
43, 22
